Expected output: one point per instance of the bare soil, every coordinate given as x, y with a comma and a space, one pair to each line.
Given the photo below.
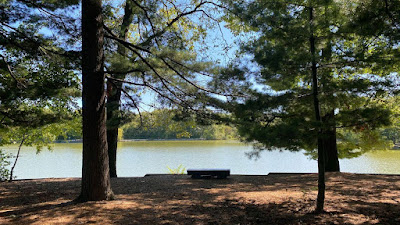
178, 199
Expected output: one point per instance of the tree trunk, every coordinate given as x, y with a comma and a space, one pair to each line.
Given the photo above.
95, 170
321, 177
113, 122
114, 95
321, 153
329, 132
112, 139
330, 144
16, 157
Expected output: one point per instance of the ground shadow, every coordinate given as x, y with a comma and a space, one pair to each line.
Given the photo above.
177, 199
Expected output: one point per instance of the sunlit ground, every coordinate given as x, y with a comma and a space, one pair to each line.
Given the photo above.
177, 199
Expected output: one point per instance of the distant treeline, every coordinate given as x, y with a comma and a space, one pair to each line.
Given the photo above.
160, 124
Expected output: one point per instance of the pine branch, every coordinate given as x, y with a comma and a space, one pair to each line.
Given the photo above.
69, 54
146, 15
134, 49
127, 95
111, 72
174, 20
125, 81
392, 18
19, 83
42, 9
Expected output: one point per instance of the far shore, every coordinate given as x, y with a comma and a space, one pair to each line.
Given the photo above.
395, 147
135, 140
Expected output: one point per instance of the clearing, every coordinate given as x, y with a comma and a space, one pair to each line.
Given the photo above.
178, 199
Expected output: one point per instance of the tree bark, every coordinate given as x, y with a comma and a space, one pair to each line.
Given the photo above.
321, 153
114, 96
330, 144
95, 170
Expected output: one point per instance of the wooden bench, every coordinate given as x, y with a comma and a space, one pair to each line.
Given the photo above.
203, 173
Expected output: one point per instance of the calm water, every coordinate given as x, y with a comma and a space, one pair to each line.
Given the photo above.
140, 158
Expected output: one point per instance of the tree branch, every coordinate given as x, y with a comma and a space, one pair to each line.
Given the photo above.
129, 96
19, 83
169, 24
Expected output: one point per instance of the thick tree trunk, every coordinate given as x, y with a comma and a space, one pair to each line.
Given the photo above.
95, 170
330, 144
114, 96
321, 153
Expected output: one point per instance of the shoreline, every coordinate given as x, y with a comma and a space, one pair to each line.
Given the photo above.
140, 140
188, 176
395, 148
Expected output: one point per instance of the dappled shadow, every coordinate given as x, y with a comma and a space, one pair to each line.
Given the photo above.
32, 192
177, 199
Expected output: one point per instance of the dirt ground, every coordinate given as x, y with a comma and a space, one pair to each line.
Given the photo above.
178, 199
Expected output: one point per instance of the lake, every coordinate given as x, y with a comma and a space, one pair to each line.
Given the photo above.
146, 157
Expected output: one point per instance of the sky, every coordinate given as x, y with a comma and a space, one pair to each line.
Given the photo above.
218, 47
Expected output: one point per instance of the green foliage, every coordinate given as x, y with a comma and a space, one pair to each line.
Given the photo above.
40, 137
69, 130
162, 124
39, 82
354, 72
161, 59
39, 60
392, 134
354, 144
375, 18
4, 164
179, 170
120, 134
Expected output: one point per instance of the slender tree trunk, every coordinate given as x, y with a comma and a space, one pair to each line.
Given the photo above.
113, 122
330, 144
95, 170
114, 96
321, 153
16, 157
